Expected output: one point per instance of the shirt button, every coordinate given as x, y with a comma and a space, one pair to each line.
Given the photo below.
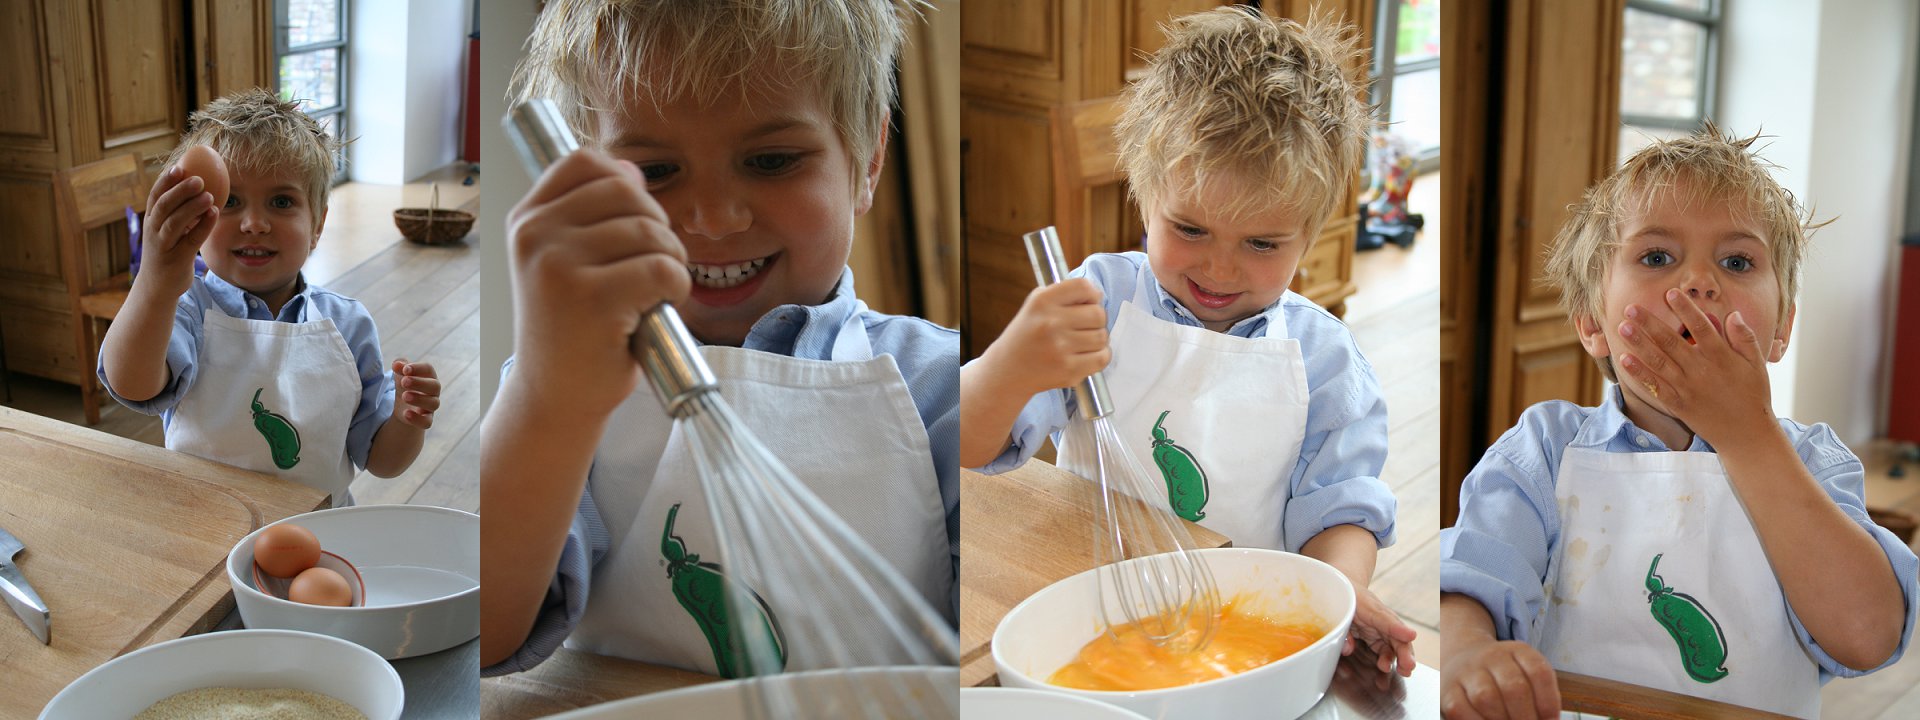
1640, 440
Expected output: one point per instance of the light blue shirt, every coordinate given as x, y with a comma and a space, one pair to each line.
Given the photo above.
929, 360
1509, 522
1337, 479
309, 303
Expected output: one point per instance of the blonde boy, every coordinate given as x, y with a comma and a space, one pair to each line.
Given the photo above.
1238, 144
252, 365
728, 148
1679, 536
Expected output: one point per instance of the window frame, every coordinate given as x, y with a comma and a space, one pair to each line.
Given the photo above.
1386, 68
282, 49
1706, 80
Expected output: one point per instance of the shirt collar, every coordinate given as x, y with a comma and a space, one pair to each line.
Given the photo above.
807, 331
236, 302
1609, 428
1254, 325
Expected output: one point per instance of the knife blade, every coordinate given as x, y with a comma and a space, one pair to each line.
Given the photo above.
20, 596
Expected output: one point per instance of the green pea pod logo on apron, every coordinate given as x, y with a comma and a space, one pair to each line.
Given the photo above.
282, 437
1703, 647
1186, 482
701, 590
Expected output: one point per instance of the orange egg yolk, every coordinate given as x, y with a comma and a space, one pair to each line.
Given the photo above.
1128, 660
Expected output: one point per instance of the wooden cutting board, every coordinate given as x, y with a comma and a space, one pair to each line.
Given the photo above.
126, 542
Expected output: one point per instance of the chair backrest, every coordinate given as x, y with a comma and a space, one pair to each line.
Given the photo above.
1085, 156
90, 197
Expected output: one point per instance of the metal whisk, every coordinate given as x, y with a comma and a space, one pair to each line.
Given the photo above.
859, 612
1144, 552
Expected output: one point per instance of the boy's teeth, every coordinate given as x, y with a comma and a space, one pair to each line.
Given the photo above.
724, 276
253, 252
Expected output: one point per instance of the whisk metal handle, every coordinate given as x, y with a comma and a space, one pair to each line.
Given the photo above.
666, 351
1050, 267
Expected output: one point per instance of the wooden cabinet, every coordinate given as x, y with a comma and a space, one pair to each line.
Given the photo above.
84, 80
1021, 62
1531, 119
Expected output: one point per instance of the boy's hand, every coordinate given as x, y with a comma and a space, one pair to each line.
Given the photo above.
1716, 385
592, 252
180, 216
1378, 629
1498, 680
1058, 338
419, 390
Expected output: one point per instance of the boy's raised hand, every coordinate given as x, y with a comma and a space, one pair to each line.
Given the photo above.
1378, 630
180, 217
419, 392
1717, 385
1502, 680
1058, 338
592, 252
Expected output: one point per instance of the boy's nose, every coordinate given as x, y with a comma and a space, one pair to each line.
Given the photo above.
1700, 284
252, 221
715, 212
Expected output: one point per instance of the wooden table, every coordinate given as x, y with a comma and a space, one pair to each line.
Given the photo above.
1021, 531
573, 679
1610, 698
126, 542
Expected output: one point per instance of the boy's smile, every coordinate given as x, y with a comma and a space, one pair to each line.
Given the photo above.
1223, 270
265, 233
760, 190
1711, 253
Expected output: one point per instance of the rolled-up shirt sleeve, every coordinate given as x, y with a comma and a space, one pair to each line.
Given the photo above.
1337, 479
183, 355
1842, 475
1497, 552
1043, 415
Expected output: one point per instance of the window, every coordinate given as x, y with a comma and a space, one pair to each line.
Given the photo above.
1406, 82
1668, 55
310, 50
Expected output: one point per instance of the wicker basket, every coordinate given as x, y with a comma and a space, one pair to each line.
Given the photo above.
431, 225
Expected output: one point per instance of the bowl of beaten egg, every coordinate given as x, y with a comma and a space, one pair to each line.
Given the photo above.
1273, 604
419, 566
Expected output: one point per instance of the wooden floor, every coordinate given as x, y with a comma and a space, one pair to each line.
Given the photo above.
425, 302
1893, 693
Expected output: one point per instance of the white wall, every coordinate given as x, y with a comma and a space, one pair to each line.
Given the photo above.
504, 26
406, 78
1833, 81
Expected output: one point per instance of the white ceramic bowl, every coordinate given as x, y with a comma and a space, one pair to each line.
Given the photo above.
815, 689
1046, 631
420, 566
123, 686
1002, 703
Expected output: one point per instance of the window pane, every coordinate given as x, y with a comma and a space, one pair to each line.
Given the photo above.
1634, 138
335, 125
1694, 5
1419, 33
1660, 67
312, 21
312, 77
1416, 108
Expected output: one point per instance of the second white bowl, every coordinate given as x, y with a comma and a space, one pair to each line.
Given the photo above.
253, 659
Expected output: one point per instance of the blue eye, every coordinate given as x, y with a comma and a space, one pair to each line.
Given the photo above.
1738, 263
1656, 258
231, 201
773, 163
1262, 245
655, 172
282, 202
1188, 230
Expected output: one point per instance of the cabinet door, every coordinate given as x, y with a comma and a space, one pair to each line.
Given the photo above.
233, 47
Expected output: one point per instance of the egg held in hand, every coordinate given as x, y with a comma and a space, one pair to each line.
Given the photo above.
320, 586
205, 163
285, 550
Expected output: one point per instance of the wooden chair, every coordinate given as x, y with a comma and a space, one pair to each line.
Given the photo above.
90, 197
1085, 156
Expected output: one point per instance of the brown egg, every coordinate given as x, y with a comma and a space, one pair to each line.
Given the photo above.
203, 162
285, 550
320, 586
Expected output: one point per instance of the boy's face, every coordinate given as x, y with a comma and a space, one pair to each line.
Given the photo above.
1222, 269
266, 231
1708, 250
760, 192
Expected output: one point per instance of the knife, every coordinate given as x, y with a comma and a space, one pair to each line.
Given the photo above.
25, 602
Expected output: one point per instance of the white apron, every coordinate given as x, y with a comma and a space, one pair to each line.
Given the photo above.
274, 397
1708, 620
847, 428
1219, 418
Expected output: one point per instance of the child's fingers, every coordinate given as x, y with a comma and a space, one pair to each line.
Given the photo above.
1482, 695
1546, 686
1746, 341
1075, 291
1692, 317
422, 401
1516, 689
187, 229
168, 180
642, 281
583, 167
1403, 652
426, 385
1655, 347
419, 418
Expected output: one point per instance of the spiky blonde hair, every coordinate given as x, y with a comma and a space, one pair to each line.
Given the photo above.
591, 56
257, 132
1236, 96
1709, 166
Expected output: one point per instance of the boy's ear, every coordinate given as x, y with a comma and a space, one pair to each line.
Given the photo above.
1591, 336
319, 223
864, 202
1778, 348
